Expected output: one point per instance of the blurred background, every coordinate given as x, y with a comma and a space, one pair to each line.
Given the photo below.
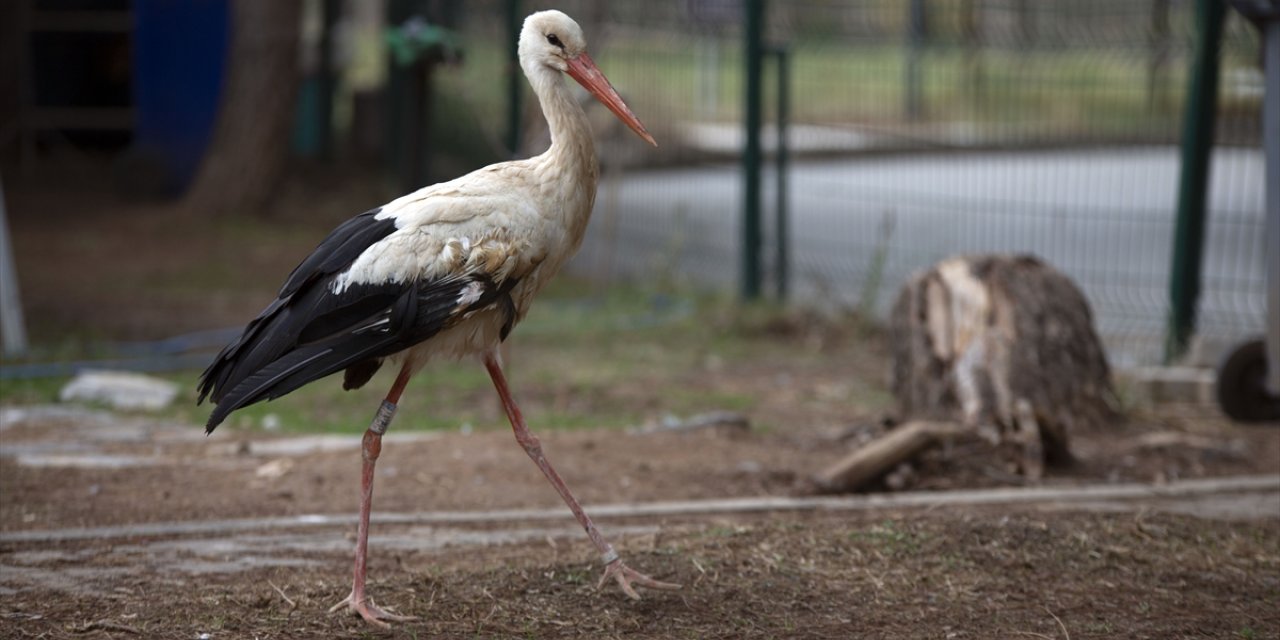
165, 163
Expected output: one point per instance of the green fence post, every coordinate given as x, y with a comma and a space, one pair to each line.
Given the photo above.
1197, 143
751, 232
782, 222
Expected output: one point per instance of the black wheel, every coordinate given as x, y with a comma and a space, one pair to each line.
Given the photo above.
1242, 385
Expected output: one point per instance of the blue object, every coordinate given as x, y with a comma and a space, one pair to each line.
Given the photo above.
179, 58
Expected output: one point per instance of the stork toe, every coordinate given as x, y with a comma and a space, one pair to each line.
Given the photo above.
372, 613
625, 576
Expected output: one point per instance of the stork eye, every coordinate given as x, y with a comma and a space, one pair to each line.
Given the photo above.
551, 37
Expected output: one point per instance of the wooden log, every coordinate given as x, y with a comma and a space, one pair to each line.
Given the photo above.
884, 453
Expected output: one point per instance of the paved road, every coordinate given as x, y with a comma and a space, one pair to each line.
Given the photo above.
1104, 216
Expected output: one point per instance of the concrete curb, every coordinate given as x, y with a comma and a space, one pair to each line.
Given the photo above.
906, 500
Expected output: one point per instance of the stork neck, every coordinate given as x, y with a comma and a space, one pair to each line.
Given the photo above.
572, 148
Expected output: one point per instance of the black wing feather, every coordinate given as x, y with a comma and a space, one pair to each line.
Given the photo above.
310, 332
335, 253
278, 360
300, 363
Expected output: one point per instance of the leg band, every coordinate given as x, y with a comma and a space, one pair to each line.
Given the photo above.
608, 557
382, 419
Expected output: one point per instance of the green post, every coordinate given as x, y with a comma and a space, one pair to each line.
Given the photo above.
515, 77
751, 231
1197, 143
782, 269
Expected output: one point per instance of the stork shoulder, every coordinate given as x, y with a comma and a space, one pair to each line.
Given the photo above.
487, 195
439, 252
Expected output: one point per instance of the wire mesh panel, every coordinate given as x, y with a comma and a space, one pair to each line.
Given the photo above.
922, 129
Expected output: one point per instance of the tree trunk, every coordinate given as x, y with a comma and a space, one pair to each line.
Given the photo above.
1004, 345
249, 151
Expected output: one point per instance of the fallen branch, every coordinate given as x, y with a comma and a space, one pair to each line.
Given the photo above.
292, 604
884, 453
1059, 621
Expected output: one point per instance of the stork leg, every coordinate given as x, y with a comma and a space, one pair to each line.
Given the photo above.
613, 565
370, 447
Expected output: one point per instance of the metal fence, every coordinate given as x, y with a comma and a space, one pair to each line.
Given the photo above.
921, 129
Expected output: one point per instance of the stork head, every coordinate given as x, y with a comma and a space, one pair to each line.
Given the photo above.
552, 39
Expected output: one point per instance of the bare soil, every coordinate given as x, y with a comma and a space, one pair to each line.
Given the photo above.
1016, 571
1029, 571
949, 574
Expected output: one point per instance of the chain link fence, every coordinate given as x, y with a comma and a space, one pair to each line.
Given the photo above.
920, 129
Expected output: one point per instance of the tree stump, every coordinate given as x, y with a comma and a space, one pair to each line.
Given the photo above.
997, 345
1003, 344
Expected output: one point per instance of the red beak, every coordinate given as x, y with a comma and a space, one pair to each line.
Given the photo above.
585, 71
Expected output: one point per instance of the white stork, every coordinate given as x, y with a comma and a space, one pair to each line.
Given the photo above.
445, 271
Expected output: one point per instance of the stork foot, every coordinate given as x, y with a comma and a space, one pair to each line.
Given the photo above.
369, 611
625, 576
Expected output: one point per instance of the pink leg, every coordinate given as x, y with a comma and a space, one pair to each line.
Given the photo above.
614, 567
370, 448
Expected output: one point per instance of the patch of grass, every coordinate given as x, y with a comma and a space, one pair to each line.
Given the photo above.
684, 401
1096, 90
890, 537
21, 391
725, 531
623, 357
576, 575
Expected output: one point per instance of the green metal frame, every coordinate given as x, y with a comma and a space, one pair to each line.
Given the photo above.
752, 234
782, 221
1197, 143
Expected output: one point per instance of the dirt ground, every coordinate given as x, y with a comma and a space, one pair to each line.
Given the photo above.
1140, 569
948, 575
78, 487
